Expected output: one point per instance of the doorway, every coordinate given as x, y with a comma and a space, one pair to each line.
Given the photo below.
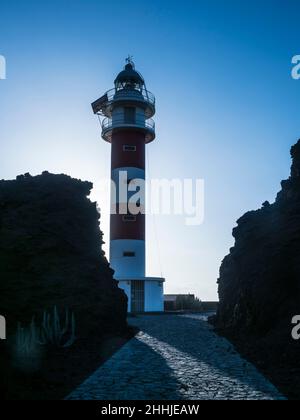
137, 296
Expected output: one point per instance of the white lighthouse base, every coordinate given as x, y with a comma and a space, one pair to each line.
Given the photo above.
145, 294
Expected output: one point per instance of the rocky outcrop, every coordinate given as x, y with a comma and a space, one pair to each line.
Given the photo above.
259, 284
51, 255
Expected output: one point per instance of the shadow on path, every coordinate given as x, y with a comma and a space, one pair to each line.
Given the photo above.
206, 365
175, 358
136, 372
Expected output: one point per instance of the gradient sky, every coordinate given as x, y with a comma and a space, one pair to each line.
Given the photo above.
227, 107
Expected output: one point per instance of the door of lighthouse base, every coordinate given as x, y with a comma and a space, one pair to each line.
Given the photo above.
137, 296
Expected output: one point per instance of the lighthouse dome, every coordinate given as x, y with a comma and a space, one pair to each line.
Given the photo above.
129, 77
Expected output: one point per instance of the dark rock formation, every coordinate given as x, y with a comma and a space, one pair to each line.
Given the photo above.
51, 254
259, 284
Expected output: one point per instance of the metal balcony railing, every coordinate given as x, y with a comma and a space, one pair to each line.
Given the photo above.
131, 94
105, 104
109, 124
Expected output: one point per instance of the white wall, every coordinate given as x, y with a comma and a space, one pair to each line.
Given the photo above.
118, 115
140, 116
131, 267
154, 296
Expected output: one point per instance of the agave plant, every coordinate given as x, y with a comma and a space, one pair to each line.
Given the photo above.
27, 339
49, 333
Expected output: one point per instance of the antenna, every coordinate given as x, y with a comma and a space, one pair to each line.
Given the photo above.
129, 60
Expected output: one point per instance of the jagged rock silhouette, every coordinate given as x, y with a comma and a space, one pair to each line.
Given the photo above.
259, 284
51, 254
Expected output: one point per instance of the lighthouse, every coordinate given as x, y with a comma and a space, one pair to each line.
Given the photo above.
126, 113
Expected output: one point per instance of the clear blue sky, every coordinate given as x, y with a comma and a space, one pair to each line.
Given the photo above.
227, 107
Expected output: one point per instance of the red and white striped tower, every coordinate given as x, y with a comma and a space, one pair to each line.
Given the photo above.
128, 110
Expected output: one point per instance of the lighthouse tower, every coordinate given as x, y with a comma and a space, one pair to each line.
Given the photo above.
128, 125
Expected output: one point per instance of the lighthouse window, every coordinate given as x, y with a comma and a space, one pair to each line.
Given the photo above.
128, 254
129, 218
127, 148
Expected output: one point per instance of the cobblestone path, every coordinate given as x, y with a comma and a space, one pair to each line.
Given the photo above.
176, 358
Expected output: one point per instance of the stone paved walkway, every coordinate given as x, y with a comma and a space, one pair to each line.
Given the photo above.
175, 358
